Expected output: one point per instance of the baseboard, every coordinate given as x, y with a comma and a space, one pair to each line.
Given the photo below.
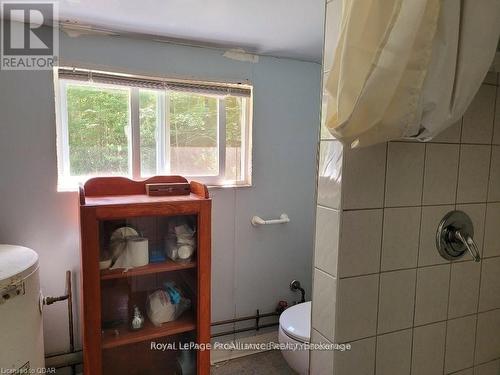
221, 355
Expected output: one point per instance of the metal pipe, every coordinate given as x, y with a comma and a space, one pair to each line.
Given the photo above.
250, 317
62, 360
69, 293
257, 317
51, 300
234, 331
295, 285
257, 320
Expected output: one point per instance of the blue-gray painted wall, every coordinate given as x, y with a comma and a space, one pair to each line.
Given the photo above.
251, 267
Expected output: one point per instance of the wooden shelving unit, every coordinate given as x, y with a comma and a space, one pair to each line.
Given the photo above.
167, 266
186, 323
108, 296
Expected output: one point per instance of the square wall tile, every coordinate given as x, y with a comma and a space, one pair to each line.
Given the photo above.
330, 174
356, 308
324, 301
396, 300
431, 217
489, 294
477, 213
490, 368
450, 134
464, 288
431, 304
400, 238
460, 339
496, 131
473, 173
428, 349
364, 177
494, 186
440, 173
321, 360
491, 230
360, 242
478, 119
394, 353
405, 168
488, 339
326, 250
360, 360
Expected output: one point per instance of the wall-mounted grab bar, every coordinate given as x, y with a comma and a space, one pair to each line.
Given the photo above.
257, 220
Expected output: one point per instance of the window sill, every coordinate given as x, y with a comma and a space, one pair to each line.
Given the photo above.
74, 189
230, 186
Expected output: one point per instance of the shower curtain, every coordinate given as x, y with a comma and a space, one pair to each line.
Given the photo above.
408, 68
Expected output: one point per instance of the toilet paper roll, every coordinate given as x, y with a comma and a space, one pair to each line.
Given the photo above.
185, 252
137, 249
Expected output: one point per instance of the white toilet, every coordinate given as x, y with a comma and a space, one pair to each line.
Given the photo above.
295, 329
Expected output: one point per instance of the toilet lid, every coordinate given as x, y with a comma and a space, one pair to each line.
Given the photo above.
296, 321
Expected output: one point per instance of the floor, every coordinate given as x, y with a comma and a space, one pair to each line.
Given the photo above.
267, 363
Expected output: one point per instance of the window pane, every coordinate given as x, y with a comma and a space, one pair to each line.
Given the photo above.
98, 119
234, 137
148, 112
193, 134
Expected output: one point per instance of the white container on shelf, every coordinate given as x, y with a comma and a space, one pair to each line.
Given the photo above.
21, 344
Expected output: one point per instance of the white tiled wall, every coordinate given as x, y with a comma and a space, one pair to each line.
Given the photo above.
328, 227
405, 309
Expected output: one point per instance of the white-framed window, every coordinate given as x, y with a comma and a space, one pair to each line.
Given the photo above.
112, 124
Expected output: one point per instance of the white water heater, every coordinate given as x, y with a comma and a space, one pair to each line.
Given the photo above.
21, 329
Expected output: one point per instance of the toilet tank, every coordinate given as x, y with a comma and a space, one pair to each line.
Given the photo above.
21, 330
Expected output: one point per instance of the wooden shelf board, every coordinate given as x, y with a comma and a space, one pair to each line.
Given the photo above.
140, 199
167, 266
185, 323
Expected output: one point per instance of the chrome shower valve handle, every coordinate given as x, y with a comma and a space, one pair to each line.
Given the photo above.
470, 245
454, 237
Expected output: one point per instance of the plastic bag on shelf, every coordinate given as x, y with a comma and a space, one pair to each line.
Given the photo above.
166, 305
